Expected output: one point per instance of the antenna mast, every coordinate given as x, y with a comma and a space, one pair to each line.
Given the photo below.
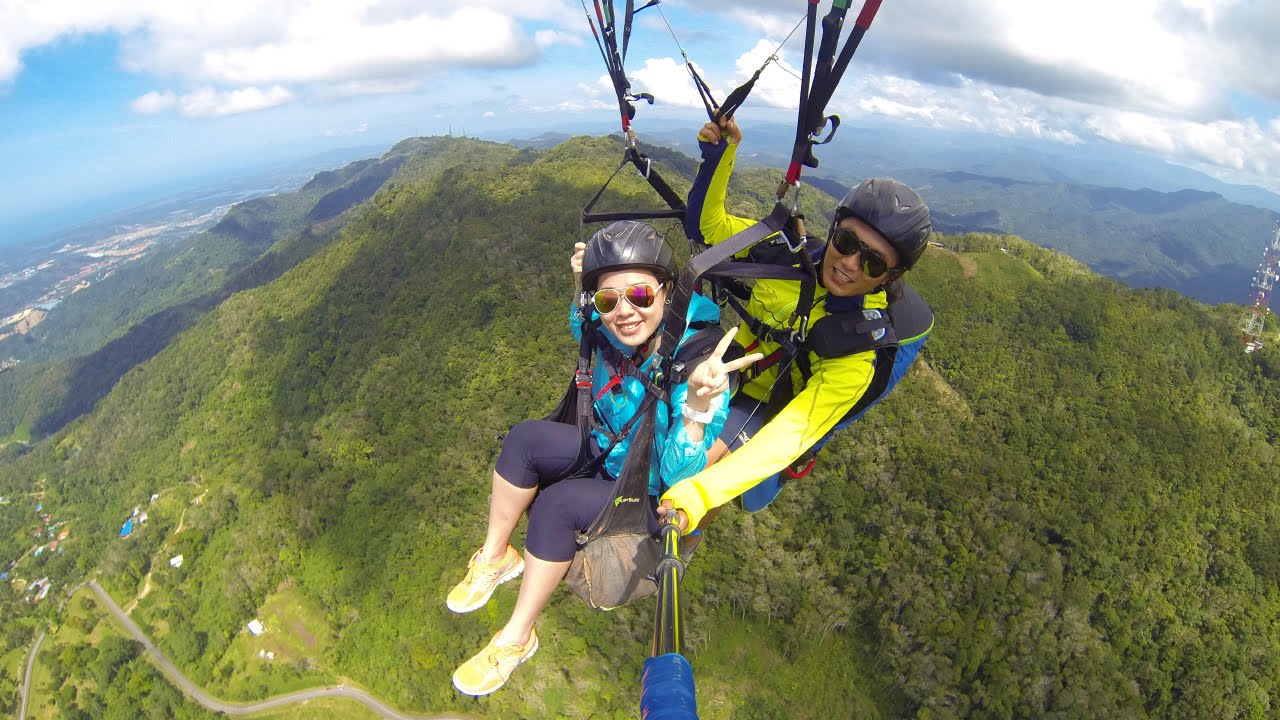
1255, 318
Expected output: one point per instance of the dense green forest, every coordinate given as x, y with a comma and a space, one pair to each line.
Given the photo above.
1064, 510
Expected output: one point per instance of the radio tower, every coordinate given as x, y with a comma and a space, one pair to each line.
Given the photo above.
1255, 318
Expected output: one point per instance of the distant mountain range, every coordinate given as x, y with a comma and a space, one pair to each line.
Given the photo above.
20, 236
1128, 216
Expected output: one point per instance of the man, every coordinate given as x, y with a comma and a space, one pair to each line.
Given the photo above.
822, 368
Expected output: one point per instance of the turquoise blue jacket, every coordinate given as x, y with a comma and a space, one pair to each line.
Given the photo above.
675, 456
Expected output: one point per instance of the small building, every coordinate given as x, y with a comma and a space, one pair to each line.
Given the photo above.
40, 588
127, 528
255, 627
175, 561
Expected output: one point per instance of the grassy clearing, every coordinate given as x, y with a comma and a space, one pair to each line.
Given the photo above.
80, 624
298, 639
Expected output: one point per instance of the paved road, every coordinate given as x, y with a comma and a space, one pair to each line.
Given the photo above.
189, 688
26, 677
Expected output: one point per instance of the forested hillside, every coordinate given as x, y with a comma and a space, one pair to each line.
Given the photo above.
76, 356
1065, 509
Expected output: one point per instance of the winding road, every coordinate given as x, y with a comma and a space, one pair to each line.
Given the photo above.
26, 677
189, 688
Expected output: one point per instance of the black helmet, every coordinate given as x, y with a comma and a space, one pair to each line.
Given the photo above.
626, 244
893, 209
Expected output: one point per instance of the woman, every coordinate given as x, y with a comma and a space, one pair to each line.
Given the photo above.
627, 270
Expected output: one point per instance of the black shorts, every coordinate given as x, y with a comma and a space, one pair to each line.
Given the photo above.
534, 454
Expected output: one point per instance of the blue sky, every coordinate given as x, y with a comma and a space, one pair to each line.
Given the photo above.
97, 101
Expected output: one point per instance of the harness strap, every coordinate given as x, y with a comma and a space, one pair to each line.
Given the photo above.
644, 164
687, 284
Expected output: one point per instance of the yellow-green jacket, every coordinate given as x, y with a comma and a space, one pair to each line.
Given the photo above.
833, 389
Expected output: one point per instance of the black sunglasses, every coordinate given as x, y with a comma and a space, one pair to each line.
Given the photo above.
847, 243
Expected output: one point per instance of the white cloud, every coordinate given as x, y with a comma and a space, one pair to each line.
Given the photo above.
666, 79
207, 102
1176, 57
779, 82
154, 102
333, 48
330, 52
1190, 80
544, 39
360, 129
1243, 146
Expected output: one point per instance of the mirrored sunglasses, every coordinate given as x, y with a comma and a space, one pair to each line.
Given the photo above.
641, 295
847, 243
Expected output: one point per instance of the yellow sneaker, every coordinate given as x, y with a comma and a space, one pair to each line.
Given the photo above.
490, 669
481, 580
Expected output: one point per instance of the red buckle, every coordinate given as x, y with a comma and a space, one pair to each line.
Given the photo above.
807, 469
579, 382
615, 381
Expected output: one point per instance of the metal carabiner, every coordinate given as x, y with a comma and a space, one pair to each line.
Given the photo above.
799, 231
799, 328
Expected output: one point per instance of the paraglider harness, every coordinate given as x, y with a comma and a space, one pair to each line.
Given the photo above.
617, 554
837, 334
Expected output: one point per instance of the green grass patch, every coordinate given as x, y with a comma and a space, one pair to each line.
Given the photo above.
289, 655
80, 625
21, 433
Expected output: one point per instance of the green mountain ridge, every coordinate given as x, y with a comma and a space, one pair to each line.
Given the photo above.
1063, 510
1194, 242
100, 333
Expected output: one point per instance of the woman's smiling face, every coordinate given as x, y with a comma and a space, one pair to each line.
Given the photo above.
630, 324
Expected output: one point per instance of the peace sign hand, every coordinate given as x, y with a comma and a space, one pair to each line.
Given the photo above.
711, 377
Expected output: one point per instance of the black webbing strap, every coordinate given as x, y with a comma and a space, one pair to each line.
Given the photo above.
756, 271
737, 97
687, 285
607, 42
818, 83
644, 165
828, 75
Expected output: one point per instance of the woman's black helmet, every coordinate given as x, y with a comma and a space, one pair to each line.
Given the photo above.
893, 209
626, 244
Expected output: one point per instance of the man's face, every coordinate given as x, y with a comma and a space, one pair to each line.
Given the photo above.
843, 274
